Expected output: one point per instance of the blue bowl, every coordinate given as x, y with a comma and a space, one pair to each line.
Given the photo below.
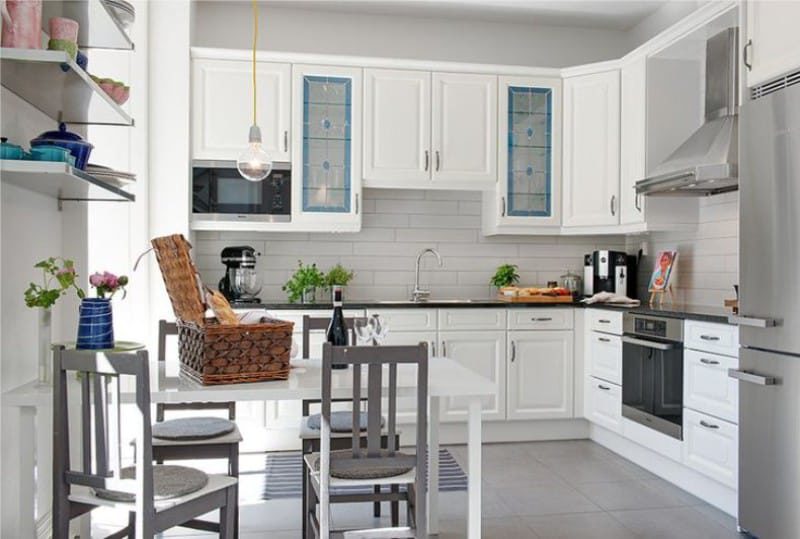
79, 148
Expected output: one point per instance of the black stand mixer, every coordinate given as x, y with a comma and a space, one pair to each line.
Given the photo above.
240, 283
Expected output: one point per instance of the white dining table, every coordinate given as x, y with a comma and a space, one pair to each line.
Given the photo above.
447, 379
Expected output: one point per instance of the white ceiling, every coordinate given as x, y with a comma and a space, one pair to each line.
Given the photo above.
605, 14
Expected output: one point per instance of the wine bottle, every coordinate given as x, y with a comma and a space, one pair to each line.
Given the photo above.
337, 329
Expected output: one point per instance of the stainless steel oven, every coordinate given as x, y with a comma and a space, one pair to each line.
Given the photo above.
219, 193
652, 372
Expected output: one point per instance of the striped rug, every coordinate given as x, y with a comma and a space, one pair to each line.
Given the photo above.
283, 479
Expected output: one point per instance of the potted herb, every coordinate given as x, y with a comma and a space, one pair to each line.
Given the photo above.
96, 322
505, 276
58, 276
338, 275
304, 283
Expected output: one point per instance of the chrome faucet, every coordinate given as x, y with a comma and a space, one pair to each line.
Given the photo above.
420, 295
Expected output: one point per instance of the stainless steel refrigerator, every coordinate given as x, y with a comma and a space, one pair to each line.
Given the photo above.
769, 371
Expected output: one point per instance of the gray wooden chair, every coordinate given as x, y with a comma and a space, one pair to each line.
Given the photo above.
195, 438
379, 464
309, 425
156, 497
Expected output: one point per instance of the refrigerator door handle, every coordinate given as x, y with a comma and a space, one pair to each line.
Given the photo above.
752, 321
744, 376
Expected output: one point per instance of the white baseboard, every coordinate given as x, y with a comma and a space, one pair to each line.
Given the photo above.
706, 489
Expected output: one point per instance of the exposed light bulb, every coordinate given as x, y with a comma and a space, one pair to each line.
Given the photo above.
254, 164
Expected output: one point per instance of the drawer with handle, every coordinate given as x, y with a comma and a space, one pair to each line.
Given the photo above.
707, 388
605, 357
603, 403
605, 321
711, 447
418, 319
540, 318
708, 337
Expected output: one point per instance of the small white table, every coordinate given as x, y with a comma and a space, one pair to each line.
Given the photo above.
447, 378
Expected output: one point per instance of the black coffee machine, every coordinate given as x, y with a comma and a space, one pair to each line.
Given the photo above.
240, 283
609, 271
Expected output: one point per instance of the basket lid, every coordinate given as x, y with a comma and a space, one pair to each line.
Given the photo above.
184, 287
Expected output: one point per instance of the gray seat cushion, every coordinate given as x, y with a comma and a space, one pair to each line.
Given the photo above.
168, 482
193, 428
368, 468
340, 421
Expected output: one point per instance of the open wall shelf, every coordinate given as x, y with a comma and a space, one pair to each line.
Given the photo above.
61, 181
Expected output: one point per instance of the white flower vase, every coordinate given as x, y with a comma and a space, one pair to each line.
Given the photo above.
45, 368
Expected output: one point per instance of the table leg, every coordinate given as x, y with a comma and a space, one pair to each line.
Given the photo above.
474, 476
433, 466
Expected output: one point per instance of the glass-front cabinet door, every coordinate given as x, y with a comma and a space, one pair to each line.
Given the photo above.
529, 165
326, 155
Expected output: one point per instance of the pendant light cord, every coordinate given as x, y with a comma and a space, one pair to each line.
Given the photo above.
255, 43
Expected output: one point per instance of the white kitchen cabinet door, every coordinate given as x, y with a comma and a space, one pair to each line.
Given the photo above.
397, 128
711, 446
407, 407
485, 353
603, 404
222, 108
605, 357
591, 149
772, 46
464, 131
633, 150
326, 148
707, 387
540, 375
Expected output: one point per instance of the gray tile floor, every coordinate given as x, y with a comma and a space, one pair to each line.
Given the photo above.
544, 490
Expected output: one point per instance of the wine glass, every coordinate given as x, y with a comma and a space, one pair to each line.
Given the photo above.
363, 330
380, 330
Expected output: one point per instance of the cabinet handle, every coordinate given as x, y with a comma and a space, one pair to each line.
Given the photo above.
604, 339
709, 361
604, 388
637, 204
444, 349
746, 57
285, 141
503, 210
708, 425
542, 319
513, 351
427, 160
709, 337
613, 204
437, 159
433, 348
604, 321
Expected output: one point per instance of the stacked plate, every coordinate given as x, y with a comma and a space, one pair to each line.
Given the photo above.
123, 11
115, 177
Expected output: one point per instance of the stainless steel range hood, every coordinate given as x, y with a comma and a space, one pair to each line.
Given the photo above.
708, 162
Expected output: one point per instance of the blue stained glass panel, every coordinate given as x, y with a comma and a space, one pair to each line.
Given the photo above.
327, 117
529, 175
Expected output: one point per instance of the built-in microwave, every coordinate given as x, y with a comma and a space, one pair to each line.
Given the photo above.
219, 193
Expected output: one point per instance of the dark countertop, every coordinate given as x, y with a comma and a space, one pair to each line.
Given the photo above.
686, 312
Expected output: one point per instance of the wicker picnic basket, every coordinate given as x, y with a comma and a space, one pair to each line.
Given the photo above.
210, 352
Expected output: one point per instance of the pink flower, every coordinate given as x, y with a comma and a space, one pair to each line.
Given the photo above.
110, 280
96, 279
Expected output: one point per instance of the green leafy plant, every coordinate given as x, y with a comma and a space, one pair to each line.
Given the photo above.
338, 275
506, 275
58, 276
304, 278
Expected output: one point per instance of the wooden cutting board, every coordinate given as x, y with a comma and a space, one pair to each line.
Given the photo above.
535, 299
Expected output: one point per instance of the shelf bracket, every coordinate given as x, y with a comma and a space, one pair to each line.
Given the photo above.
61, 200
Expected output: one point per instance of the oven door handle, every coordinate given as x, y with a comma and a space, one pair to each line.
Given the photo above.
647, 344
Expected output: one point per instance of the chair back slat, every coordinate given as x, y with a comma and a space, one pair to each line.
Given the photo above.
374, 393
114, 422
100, 408
392, 411
356, 410
86, 423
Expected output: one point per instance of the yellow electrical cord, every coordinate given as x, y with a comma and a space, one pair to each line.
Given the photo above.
255, 43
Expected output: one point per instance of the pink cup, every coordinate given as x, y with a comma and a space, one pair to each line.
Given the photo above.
63, 28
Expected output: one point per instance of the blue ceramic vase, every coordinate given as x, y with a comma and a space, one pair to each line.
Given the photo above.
95, 325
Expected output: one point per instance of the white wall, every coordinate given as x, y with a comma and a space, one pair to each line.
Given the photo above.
229, 25
708, 263
397, 225
661, 19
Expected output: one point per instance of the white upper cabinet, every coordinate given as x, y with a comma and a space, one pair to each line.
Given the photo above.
222, 108
772, 46
326, 148
633, 149
591, 149
528, 189
464, 130
397, 128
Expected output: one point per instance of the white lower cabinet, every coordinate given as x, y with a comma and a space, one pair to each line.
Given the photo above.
540, 371
407, 407
605, 357
707, 387
485, 353
711, 447
603, 404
